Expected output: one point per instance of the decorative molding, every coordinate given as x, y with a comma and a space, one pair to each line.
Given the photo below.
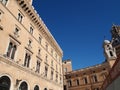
32, 13
28, 70
13, 37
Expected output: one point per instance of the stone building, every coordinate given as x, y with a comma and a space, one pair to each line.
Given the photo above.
92, 78
30, 58
112, 82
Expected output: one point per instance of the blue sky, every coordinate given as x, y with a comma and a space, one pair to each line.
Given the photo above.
79, 27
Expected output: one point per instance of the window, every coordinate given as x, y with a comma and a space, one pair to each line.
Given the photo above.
85, 80
56, 77
39, 51
29, 44
20, 17
16, 32
27, 60
65, 69
77, 81
111, 54
1, 13
36, 87
56, 68
11, 50
96, 88
65, 87
46, 46
40, 39
31, 30
5, 83
4, 1
60, 80
52, 63
69, 83
23, 86
51, 75
52, 52
45, 88
46, 71
38, 66
104, 75
95, 78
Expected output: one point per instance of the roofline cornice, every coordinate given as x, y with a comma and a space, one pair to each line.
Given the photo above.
36, 19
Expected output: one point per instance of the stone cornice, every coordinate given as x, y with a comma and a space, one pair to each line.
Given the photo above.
91, 68
28, 70
34, 16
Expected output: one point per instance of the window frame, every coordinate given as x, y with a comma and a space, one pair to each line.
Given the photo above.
20, 16
15, 44
27, 62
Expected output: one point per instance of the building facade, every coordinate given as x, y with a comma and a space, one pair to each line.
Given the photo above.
113, 79
30, 58
91, 78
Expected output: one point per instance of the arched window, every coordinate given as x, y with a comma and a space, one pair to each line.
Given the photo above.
45, 88
23, 86
36, 87
111, 54
5, 83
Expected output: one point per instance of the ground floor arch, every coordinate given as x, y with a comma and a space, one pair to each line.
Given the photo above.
23, 86
5, 83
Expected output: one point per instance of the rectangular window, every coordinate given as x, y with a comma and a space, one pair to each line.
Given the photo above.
20, 17
65, 69
46, 46
39, 52
77, 81
27, 60
95, 79
16, 32
96, 88
38, 66
30, 44
51, 75
56, 67
52, 52
52, 63
40, 39
11, 50
4, 1
31, 30
56, 77
69, 83
60, 80
85, 80
46, 71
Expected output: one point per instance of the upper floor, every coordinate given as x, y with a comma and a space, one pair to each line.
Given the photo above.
26, 40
